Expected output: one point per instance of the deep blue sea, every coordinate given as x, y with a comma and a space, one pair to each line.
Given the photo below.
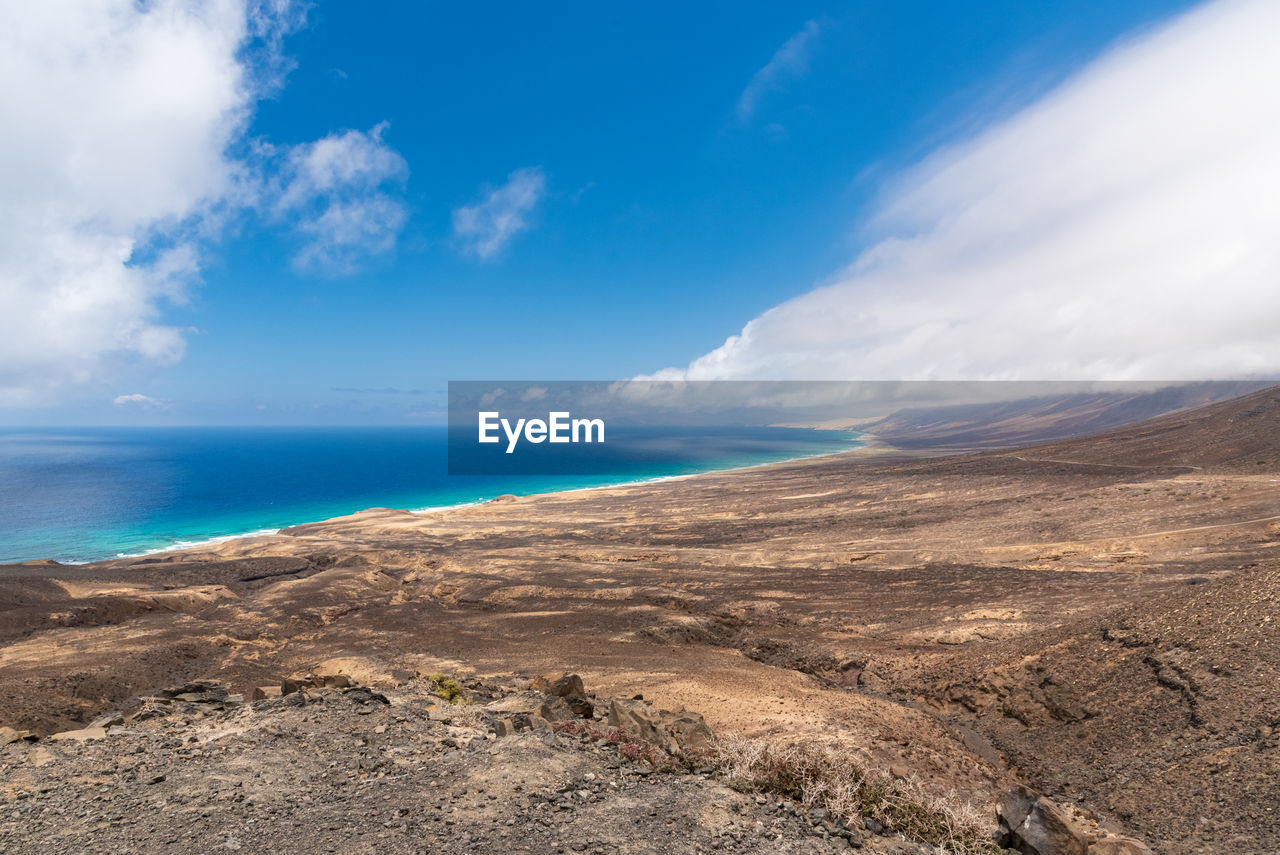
86, 494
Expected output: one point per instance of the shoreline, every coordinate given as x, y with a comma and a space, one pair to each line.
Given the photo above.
866, 443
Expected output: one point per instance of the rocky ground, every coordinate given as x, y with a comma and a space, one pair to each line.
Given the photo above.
1095, 619
352, 770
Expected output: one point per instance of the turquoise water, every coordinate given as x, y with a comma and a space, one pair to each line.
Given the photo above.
94, 493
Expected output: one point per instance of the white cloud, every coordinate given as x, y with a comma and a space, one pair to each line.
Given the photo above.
116, 117
119, 117
788, 62
335, 191
140, 400
485, 227
1122, 227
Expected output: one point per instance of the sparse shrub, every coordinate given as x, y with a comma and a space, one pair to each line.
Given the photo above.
821, 775
449, 689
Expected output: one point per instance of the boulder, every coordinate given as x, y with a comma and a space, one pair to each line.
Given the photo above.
1119, 846
562, 686
8, 734
197, 692
290, 685
364, 695
80, 735
1033, 825
690, 732
1012, 810
519, 723
149, 712
556, 709
111, 719
519, 702
261, 693
442, 713
581, 707
675, 733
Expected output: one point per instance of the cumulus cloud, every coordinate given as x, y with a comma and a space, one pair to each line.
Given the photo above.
120, 121
116, 119
1122, 227
335, 191
789, 62
484, 227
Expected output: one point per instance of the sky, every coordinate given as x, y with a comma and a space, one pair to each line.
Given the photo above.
264, 212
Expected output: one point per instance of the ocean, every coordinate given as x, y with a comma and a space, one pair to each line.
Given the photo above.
86, 494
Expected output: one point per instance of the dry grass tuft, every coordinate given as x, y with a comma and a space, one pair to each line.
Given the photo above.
821, 775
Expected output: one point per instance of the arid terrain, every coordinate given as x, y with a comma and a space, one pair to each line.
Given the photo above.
1093, 618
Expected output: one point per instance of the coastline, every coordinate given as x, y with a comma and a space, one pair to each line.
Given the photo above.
865, 443
902, 610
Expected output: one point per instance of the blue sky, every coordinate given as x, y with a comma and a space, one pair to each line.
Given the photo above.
669, 173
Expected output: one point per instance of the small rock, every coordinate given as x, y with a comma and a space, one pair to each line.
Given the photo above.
1119, 846
40, 757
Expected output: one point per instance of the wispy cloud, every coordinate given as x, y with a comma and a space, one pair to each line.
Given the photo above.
146, 402
376, 390
1121, 227
789, 62
484, 227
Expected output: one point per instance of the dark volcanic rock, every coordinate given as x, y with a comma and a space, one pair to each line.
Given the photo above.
1033, 825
